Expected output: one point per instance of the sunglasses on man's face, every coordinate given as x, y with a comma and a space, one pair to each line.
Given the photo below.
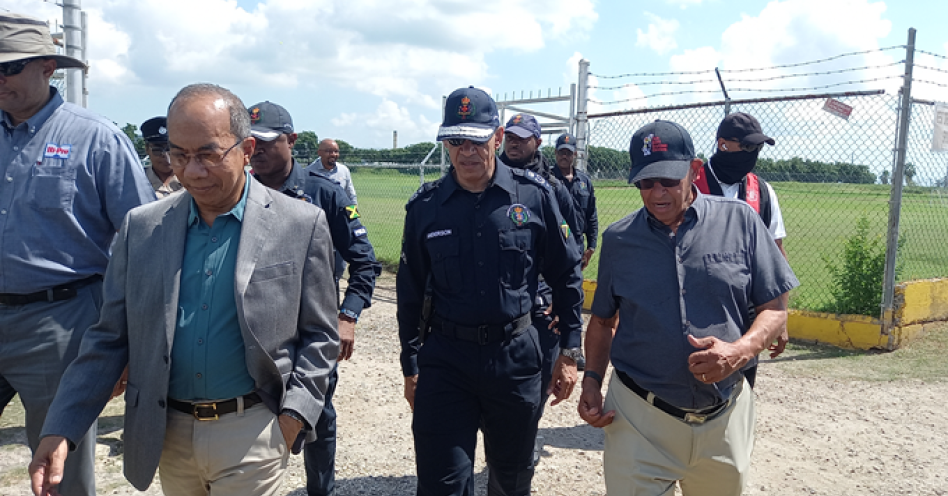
650, 183
747, 147
459, 142
8, 69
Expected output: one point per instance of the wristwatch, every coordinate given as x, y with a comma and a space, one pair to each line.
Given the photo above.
349, 313
576, 354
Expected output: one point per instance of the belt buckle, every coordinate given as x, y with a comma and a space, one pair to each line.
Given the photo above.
695, 418
212, 406
482, 335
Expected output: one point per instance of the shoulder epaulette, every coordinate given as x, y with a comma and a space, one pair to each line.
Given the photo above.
532, 176
424, 190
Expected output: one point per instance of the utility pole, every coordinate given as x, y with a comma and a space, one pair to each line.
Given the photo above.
72, 28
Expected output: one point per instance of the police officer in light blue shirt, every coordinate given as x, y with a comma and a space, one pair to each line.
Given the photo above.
67, 179
474, 245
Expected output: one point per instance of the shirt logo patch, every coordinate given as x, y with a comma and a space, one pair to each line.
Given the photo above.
653, 144
565, 228
359, 232
519, 214
57, 151
438, 234
353, 212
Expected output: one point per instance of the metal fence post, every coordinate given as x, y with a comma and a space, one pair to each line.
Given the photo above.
72, 29
572, 109
895, 198
581, 113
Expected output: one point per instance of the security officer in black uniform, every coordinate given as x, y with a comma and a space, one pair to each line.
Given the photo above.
274, 166
474, 245
580, 187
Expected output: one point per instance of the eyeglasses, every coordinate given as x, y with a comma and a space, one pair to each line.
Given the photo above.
207, 159
650, 183
13, 68
459, 142
746, 147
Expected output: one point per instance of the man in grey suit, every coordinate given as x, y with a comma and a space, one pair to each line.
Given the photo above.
229, 334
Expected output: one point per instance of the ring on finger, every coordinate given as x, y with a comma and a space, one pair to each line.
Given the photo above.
703, 378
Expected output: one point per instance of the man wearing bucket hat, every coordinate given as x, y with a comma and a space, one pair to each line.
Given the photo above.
676, 278
68, 178
474, 245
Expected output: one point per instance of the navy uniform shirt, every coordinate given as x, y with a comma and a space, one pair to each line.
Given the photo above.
697, 281
584, 199
484, 253
349, 236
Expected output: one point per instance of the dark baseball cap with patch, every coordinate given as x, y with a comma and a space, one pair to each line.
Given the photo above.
524, 126
469, 113
269, 120
661, 149
155, 130
744, 128
567, 141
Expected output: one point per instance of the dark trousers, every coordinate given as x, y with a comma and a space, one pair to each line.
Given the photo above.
319, 456
463, 387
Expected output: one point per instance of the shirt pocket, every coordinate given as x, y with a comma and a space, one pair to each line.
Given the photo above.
728, 275
52, 188
515, 248
445, 257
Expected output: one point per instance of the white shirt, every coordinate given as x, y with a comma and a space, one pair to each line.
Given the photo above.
339, 174
777, 228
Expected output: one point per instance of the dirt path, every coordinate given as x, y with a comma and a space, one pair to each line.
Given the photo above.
814, 435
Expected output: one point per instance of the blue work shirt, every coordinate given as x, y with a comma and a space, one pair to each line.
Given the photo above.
584, 199
349, 237
207, 355
67, 179
698, 281
484, 253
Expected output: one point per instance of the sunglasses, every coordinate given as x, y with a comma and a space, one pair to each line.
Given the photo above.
650, 183
458, 142
8, 69
747, 148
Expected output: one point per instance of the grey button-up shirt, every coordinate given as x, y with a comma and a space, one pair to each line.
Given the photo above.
67, 179
698, 281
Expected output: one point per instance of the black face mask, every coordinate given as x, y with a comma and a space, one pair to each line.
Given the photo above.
730, 168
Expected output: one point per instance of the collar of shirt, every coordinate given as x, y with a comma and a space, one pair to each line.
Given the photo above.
503, 178
237, 211
39, 118
296, 181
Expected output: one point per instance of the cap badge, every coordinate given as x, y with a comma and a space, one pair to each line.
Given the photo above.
565, 139
162, 130
466, 108
255, 115
517, 118
519, 214
653, 144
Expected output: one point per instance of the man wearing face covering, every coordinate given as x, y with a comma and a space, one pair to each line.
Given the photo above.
729, 173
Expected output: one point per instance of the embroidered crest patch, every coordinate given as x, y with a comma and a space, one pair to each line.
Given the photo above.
653, 144
466, 108
353, 212
255, 115
519, 214
565, 228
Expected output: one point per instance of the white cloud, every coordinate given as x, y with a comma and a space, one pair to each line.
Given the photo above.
388, 117
660, 35
684, 3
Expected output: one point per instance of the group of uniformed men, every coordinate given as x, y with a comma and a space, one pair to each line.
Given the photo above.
690, 289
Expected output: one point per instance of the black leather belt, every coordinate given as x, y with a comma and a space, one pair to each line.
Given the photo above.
481, 334
691, 417
59, 293
213, 410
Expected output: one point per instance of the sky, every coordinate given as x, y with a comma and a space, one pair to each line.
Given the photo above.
360, 69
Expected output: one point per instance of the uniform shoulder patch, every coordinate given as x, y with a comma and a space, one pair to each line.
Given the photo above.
424, 190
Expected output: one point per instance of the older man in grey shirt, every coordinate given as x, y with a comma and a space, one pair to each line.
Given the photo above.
676, 279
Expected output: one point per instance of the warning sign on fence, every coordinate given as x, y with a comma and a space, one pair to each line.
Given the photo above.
837, 108
940, 141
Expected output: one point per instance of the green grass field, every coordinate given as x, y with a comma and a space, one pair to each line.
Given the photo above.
818, 217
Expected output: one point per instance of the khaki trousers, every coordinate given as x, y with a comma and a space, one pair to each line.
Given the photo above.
647, 450
242, 453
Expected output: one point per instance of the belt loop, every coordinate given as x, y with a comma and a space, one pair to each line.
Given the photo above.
651, 398
49, 295
240, 406
483, 335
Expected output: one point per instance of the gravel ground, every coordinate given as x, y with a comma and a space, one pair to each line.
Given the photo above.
814, 435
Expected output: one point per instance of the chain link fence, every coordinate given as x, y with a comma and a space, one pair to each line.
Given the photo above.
828, 173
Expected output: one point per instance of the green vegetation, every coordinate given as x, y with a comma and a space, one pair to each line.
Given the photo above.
819, 219
857, 282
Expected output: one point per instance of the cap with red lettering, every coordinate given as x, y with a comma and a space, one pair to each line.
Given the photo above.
662, 149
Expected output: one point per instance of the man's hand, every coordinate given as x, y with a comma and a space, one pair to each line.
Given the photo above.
290, 427
120, 385
46, 469
587, 256
564, 379
411, 382
716, 359
347, 333
590, 405
781, 344
554, 321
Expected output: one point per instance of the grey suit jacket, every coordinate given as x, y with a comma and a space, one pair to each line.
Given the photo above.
286, 302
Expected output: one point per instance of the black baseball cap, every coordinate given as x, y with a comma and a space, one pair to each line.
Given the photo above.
469, 113
155, 130
744, 128
523, 125
567, 141
269, 120
662, 149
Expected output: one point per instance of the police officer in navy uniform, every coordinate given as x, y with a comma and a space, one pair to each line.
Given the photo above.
274, 166
160, 175
476, 241
580, 187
